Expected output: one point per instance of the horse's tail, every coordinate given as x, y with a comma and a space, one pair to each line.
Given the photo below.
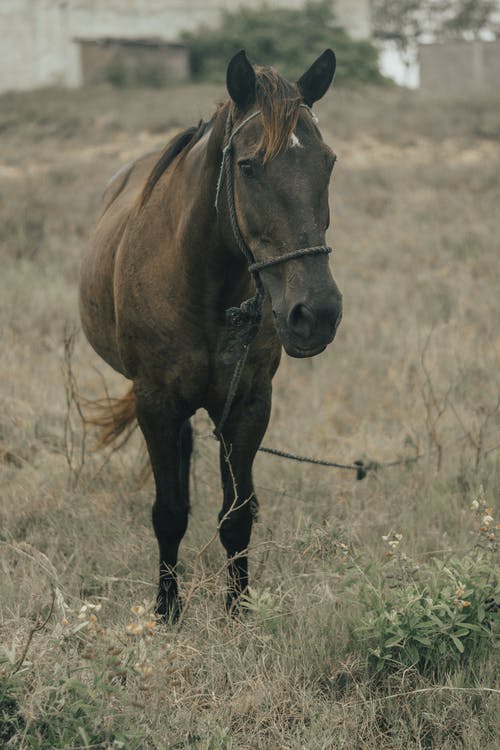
115, 418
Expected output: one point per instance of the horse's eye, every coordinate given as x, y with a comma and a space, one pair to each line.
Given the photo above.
246, 168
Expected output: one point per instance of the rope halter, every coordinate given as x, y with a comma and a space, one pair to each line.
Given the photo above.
226, 171
245, 320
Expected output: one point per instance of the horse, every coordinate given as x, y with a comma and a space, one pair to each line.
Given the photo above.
227, 221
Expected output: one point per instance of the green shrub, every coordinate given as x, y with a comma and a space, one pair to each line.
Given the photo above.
151, 75
264, 607
435, 618
284, 37
11, 720
116, 72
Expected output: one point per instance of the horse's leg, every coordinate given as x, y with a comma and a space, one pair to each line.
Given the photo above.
242, 435
168, 438
185, 451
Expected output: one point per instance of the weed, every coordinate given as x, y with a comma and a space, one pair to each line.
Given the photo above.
434, 616
11, 720
265, 607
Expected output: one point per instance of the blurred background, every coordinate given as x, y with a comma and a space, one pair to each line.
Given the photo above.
431, 44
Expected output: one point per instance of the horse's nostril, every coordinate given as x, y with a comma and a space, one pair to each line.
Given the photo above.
302, 320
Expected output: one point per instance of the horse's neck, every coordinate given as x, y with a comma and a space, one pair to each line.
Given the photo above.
204, 253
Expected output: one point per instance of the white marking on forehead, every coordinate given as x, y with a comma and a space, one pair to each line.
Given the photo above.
294, 142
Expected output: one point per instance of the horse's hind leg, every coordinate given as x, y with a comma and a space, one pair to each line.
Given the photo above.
242, 435
168, 438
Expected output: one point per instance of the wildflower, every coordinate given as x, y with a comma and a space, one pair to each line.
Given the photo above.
487, 520
474, 505
392, 539
135, 628
137, 610
146, 670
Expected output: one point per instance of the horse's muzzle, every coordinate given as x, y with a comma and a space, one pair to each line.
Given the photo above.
307, 330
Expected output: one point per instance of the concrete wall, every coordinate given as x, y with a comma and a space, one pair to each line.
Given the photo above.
37, 36
36, 47
460, 67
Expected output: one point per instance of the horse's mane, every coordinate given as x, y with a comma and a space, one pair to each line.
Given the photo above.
279, 101
180, 142
276, 98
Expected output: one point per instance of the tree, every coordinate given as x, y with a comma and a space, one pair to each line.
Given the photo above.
288, 38
406, 23
470, 19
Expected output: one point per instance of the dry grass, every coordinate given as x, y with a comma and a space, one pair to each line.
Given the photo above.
415, 368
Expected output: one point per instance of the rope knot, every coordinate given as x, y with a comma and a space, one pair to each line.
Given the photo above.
243, 323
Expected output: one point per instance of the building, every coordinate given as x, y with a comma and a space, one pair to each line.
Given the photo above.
145, 61
460, 67
50, 42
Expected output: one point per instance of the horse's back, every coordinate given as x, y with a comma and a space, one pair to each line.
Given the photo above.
97, 308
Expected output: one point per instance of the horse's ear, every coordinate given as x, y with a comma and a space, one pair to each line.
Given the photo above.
240, 80
315, 81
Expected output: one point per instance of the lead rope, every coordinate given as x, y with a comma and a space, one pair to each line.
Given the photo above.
245, 320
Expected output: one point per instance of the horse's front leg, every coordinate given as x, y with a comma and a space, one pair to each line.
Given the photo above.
242, 435
168, 438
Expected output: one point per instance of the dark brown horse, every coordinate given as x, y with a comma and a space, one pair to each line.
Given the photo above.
171, 253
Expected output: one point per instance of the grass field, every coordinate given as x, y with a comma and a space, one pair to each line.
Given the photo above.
350, 640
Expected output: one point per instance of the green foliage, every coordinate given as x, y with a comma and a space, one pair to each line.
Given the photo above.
148, 74
436, 618
409, 22
287, 38
11, 720
75, 714
116, 72
263, 606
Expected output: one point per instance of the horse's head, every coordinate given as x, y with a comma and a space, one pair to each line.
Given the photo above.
281, 170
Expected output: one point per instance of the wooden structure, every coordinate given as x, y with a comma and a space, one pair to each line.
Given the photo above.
146, 62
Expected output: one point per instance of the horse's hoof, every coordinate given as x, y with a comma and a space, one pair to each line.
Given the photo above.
167, 611
234, 608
